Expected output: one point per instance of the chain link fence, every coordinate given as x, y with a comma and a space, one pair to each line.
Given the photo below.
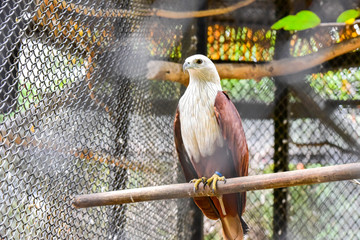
78, 115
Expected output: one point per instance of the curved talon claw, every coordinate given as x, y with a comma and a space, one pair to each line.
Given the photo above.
198, 181
213, 181
205, 183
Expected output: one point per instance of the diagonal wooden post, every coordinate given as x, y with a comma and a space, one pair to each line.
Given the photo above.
240, 184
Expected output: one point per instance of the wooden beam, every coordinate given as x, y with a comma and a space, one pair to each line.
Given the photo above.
169, 71
240, 184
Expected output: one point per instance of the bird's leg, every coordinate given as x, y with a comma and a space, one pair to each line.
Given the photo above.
212, 184
214, 179
198, 181
220, 198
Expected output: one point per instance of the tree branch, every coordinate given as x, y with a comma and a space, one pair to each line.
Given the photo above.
100, 13
337, 24
161, 70
240, 184
203, 13
320, 144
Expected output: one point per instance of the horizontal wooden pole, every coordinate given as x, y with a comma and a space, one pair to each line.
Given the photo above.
240, 184
170, 71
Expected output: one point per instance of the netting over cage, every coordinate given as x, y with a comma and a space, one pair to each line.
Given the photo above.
79, 114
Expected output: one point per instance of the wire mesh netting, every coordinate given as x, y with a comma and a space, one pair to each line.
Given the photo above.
79, 115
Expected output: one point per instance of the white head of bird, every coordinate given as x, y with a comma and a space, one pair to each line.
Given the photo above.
201, 68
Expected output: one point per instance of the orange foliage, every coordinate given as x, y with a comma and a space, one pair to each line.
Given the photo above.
238, 44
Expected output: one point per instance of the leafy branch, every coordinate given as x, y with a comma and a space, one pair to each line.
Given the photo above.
306, 19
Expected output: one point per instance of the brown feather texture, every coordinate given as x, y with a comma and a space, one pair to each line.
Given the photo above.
209, 138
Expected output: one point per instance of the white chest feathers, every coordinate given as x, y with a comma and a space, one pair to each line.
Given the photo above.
200, 131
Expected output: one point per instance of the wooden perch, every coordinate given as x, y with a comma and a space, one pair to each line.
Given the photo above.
161, 70
240, 184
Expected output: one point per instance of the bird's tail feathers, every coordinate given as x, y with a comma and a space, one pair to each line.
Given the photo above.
244, 226
233, 227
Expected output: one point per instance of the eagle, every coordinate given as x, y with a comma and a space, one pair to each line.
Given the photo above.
211, 144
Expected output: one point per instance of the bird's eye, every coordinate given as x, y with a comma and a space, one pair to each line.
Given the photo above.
199, 61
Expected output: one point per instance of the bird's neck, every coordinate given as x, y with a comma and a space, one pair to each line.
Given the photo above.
200, 93
208, 77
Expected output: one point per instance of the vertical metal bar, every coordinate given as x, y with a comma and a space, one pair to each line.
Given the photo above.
197, 231
121, 142
201, 33
118, 175
10, 49
281, 161
281, 128
123, 97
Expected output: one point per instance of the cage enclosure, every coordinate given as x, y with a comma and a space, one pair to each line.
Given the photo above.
81, 111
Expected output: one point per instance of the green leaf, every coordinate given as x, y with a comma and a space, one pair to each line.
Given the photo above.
348, 15
301, 21
283, 22
305, 20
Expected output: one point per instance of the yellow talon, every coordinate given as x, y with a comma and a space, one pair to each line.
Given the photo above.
213, 180
197, 182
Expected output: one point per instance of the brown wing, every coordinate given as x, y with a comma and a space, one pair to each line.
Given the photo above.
204, 203
184, 159
232, 130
